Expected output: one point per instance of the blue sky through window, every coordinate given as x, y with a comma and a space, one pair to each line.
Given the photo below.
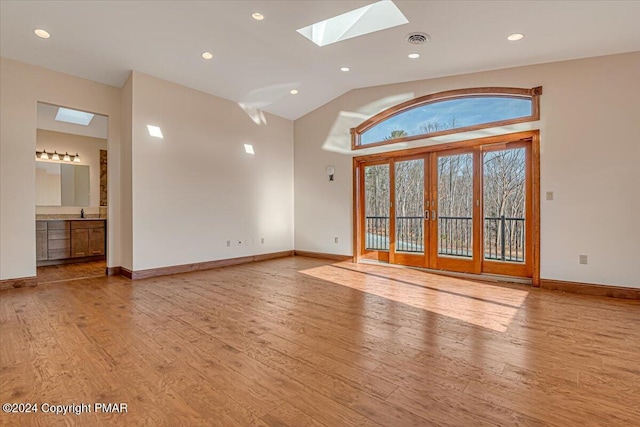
449, 114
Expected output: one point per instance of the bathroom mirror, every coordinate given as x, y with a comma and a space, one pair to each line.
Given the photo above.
59, 184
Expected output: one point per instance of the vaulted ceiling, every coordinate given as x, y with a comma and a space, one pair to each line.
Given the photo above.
259, 62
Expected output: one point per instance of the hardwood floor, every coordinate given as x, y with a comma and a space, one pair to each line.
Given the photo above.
306, 342
63, 272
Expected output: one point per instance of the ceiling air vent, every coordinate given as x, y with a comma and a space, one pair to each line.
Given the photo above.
418, 38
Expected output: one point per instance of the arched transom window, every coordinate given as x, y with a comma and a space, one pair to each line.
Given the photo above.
449, 112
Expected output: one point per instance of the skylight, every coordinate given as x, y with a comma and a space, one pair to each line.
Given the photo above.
368, 19
74, 116
154, 131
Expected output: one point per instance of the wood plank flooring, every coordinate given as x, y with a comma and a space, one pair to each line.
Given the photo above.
305, 342
62, 272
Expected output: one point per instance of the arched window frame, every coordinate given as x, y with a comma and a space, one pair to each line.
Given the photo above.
532, 94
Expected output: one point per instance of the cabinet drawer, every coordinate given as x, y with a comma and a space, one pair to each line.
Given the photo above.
59, 234
58, 253
58, 225
75, 225
59, 244
41, 225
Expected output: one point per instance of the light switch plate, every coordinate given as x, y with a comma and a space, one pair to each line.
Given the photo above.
549, 195
584, 259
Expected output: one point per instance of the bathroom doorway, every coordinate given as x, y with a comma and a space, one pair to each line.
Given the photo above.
71, 194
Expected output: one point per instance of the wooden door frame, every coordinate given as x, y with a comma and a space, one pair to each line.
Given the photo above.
532, 136
359, 232
474, 265
496, 267
408, 258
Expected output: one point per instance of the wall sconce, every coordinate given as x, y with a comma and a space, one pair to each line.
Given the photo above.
330, 172
55, 156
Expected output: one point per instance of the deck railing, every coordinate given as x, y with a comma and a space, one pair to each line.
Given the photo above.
504, 237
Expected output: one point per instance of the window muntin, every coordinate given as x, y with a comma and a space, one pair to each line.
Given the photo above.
448, 112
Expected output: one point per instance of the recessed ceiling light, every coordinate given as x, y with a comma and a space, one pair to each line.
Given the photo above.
293, 91
248, 148
344, 69
257, 16
73, 116
515, 37
154, 131
41, 33
207, 55
414, 55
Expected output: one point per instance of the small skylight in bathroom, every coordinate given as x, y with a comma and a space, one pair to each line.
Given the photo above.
74, 116
154, 131
368, 19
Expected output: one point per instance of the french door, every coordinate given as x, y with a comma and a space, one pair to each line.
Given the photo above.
466, 209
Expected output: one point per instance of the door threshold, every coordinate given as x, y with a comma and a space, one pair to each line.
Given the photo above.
485, 277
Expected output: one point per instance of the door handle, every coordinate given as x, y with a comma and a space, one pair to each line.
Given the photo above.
426, 215
433, 215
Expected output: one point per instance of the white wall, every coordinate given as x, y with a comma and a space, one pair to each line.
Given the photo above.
197, 188
89, 150
126, 201
590, 151
21, 87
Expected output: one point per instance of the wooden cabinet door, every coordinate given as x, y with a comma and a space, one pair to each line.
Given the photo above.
42, 248
80, 243
96, 241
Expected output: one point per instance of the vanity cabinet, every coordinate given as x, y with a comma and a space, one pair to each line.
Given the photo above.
87, 238
60, 241
41, 241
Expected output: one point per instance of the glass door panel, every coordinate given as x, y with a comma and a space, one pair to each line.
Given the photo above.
455, 205
506, 195
409, 209
504, 205
409, 206
376, 211
454, 219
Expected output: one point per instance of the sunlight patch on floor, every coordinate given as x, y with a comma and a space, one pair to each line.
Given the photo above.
485, 305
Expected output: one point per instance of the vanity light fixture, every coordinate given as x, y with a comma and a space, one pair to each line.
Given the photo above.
345, 69
414, 55
57, 157
207, 55
515, 37
293, 91
257, 16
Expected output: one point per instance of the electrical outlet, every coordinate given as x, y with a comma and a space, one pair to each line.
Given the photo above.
262, 240
583, 259
335, 240
549, 195
228, 243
